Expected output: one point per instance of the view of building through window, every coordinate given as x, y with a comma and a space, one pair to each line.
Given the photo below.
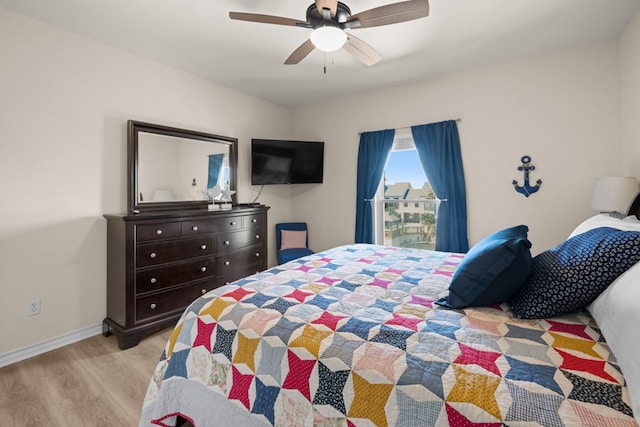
405, 202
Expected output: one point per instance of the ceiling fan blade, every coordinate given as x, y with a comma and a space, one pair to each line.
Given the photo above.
328, 4
300, 53
392, 14
361, 50
267, 19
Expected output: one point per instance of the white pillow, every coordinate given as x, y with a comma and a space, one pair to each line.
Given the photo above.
630, 223
617, 312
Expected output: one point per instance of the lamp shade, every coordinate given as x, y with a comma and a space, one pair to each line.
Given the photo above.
328, 39
614, 193
163, 196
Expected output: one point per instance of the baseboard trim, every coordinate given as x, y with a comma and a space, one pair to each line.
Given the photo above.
48, 345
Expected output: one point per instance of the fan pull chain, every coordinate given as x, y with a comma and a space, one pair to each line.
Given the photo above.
324, 56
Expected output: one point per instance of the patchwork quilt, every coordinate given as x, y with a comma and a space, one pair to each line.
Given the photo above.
352, 337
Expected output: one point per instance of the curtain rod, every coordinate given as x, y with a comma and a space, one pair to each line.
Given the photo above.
407, 128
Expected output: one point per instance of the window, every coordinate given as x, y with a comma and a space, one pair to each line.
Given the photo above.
410, 223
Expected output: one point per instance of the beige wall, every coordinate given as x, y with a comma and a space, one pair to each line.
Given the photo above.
64, 103
562, 109
630, 95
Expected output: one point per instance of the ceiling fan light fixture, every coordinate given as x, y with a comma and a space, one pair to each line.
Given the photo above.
328, 39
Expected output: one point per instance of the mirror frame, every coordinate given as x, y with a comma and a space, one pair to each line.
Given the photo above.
134, 128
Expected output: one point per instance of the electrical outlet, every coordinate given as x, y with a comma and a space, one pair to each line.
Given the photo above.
33, 307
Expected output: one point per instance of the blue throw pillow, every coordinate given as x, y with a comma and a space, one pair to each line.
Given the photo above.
574, 273
492, 271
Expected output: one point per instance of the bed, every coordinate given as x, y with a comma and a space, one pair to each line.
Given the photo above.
353, 336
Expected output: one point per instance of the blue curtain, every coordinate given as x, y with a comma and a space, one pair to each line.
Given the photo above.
215, 164
438, 146
372, 157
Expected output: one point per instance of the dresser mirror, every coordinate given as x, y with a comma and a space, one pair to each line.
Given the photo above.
171, 168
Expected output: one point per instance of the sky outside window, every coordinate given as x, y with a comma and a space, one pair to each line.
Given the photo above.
404, 166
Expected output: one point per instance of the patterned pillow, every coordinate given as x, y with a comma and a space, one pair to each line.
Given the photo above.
492, 270
572, 275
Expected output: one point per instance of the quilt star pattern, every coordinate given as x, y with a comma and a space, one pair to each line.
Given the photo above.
351, 337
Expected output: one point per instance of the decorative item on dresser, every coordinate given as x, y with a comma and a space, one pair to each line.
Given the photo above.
159, 262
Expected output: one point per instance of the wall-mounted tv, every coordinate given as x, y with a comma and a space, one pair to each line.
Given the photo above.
286, 162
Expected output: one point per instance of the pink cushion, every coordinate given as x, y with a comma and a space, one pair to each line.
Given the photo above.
293, 239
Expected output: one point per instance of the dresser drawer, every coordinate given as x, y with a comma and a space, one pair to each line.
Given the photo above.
175, 250
198, 227
234, 260
163, 230
232, 223
238, 272
175, 300
254, 221
153, 279
232, 241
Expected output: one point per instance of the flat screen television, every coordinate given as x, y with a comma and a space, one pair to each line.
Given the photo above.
286, 162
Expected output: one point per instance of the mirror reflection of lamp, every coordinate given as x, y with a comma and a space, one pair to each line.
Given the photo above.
194, 193
162, 195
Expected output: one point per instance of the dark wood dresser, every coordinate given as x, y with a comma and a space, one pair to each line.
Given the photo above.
159, 262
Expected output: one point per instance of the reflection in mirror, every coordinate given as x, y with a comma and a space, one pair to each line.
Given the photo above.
174, 168
179, 169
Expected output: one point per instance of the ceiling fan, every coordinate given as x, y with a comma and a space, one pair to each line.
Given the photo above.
329, 19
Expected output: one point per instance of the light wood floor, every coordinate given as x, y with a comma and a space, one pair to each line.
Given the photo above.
85, 384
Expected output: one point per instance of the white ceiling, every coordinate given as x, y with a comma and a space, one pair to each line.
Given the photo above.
197, 36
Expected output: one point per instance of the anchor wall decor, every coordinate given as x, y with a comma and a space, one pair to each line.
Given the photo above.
526, 189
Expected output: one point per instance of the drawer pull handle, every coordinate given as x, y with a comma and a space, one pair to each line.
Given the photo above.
232, 223
153, 306
226, 263
203, 247
203, 269
257, 254
153, 255
153, 280
194, 228
254, 220
226, 242
203, 291
158, 231
257, 236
